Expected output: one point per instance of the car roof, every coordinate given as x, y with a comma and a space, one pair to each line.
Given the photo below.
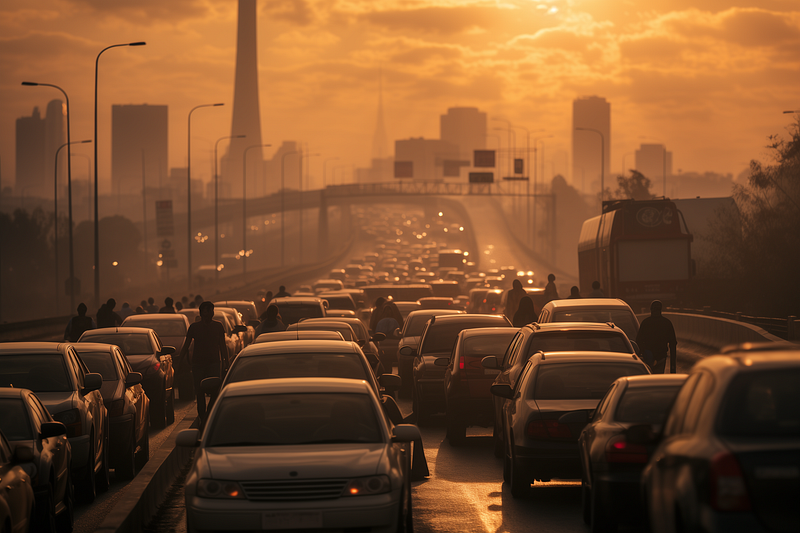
469, 318
594, 303
434, 312
296, 385
228, 303
754, 360
573, 326
289, 300
178, 317
500, 330
120, 329
85, 347
653, 380
299, 346
12, 348
12, 392
585, 357
303, 335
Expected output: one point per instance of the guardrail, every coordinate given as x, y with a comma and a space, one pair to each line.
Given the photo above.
786, 328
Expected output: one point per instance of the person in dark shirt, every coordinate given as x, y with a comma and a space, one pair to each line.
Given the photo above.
151, 305
209, 353
106, 317
78, 324
282, 292
169, 306
656, 335
550, 290
513, 297
526, 313
574, 293
271, 321
597, 292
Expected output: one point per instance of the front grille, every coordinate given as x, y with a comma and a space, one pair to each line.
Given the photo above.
293, 490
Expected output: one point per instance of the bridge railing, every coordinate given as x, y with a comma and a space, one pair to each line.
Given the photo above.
786, 328
424, 187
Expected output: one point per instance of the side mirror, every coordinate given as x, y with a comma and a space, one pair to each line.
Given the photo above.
503, 390
490, 362
390, 382
52, 429
167, 350
406, 433
641, 434
24, 454
92, 382
397, 333
211, 385
188, 438
378, 337
442, 361
133, 378
408, 351
239, 329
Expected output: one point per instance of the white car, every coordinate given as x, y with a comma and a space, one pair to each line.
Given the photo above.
592, 310
299, 453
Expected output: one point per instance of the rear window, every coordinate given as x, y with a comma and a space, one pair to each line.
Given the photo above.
441, 337
163, 328
416, 325
580, 381
645, 406
583, 341
340, 302
129, 343
624, 319
483, 345
101, 363
762, 404
39, 373
14, 420
297, 365
291, 314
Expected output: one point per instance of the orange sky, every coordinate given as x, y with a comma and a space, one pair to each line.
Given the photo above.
709, 78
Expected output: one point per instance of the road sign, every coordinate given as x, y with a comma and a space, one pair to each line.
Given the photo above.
484, 158
481, 177
164, 224
519, 166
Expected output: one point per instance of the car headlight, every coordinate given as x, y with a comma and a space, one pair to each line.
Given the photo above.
367, 486
213, 488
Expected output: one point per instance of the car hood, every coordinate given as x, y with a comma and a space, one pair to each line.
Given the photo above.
309, 461
57, 401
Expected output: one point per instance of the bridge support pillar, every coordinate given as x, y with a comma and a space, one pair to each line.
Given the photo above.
322, 228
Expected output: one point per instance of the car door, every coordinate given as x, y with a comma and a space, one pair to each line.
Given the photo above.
93, 403
54, 448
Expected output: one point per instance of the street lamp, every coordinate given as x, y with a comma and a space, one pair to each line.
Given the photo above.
189, 195
283, 207
216, 206
244, 208
96, 214
55, 227
602, 162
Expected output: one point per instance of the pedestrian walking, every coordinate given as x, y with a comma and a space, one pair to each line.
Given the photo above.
271, 321
597, 292
526, 313
513, 297
106, 317
656, 336
550, 290
169, 306
282, 293
78, 324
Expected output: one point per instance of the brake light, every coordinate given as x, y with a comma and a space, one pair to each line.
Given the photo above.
618, 450
156, 367
548, 429
728, 489
461, 363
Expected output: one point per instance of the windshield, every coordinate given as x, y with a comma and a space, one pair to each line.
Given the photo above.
291, 314
101, 363
14, 419
762, 404
297, 365
645, 405
622, 318
129, 343
483, 345
39, 373
580, 381
294, 419
581, 341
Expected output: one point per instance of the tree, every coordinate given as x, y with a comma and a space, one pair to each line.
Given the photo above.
636, 187
759, 247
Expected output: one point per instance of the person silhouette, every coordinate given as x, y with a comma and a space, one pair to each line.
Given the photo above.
78, 324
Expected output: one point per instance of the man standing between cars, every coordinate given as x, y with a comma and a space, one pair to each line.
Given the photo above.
209, 353
78, 324
550, 290
656, 334
513, 297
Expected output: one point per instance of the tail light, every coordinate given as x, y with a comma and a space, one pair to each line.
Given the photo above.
548, 429
619, 450
115, 407
72, 419
156, 367
461, 363
728, 489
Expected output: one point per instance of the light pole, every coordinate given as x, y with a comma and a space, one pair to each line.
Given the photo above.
283, 207
324, 165
216, 207
88, 184
189, 195
602, 162
244, 208
302, 155
96, 213
55, 226
69, 191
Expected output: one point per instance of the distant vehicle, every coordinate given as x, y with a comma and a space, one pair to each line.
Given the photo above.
304, 335
454, 258
322, 285
247, 310
294, 308
399, 293
639, 251
601, 310
233, 337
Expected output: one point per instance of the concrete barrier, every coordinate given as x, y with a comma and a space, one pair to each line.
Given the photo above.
714, 333
144, 495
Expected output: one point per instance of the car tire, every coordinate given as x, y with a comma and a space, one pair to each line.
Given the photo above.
103, 477
44, 516
506, 468
520, 484
600, 519
144, 448
456, 433
126, 469
405, 522
66, 519
88, 487
170, 407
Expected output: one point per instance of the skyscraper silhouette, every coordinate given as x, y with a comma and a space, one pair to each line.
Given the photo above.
591, 112
246, 108
379, 140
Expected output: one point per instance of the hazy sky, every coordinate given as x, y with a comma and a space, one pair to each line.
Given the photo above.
709, 78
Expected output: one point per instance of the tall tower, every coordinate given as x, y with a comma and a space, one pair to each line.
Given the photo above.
379, 140
139, 147
464, 127
595, 113
246, 109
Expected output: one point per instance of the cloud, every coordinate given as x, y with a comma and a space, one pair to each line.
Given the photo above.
298, 12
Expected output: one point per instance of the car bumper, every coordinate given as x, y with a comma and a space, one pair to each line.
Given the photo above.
431, 392
620, 493
471, 411
547, 461
80, 451
373, 513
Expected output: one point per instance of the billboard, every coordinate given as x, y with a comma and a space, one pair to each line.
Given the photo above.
484, 158
403, 169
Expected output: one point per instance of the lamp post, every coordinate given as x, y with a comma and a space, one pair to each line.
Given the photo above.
55, 227
189, 195
216, 206
602, 162
96, 213
283, 207
324, 165
88, 184
244, 208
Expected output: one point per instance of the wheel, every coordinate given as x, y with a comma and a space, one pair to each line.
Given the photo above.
170, 408
600, 519
520, 484
586, 502
103, 479
88, 487
423, 416
144, 448
44, 517
126, 469
66, 518
158, 416
456, 433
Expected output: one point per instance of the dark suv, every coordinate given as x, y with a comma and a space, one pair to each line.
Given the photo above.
553, 337
437, 341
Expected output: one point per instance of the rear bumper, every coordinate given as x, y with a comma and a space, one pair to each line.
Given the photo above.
431, 393
549, 460
471, 411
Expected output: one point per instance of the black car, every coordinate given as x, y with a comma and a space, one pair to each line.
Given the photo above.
612, 466
437, 341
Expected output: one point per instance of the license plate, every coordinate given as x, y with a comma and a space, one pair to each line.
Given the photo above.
291, 520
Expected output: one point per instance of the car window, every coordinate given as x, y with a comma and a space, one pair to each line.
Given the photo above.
701, 392
78, 368
677, 412
645, 405
621, 317
37, 372
603, 405
14, 419
582, 341
164, 328
296, 365
294, 419
483, 345
442, 336
129, 343
510, 357
101, 363
580, 381
527, 369
41, 411
293, 313
764, 404
416, 326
